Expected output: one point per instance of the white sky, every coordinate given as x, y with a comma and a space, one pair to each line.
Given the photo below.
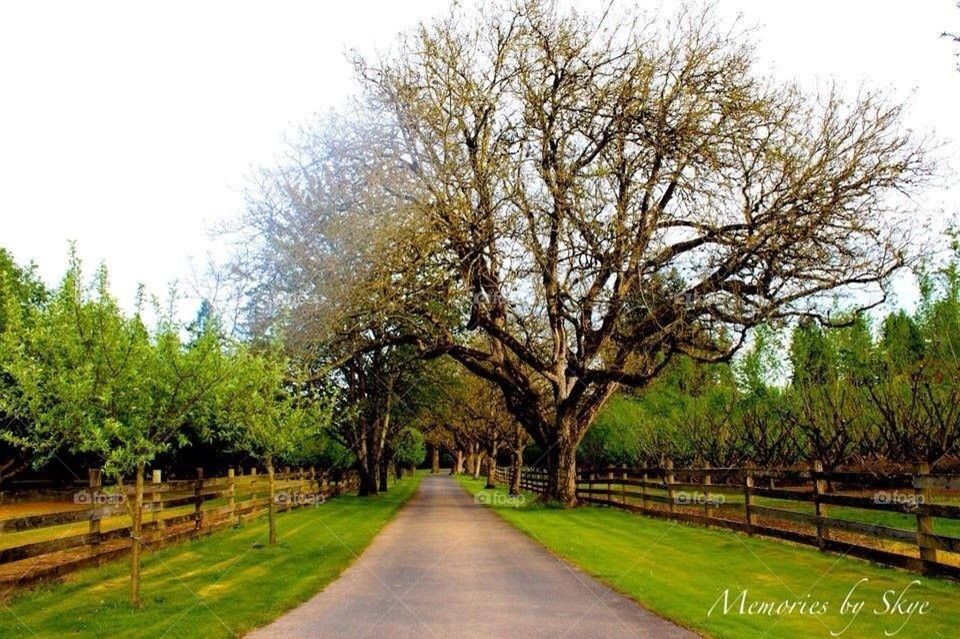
130, 127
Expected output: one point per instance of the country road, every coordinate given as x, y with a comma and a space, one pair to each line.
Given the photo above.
447, 567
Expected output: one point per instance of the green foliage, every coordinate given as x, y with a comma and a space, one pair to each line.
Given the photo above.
266, 414
901, 342
615, 436
21, 294
409, 447
853, 396
96, 380
20, 288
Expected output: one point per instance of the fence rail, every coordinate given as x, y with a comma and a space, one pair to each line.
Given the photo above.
888, 518
97, 525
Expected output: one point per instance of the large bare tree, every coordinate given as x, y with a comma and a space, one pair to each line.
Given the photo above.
602, 192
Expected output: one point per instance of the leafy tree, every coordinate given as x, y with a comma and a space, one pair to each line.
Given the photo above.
21, 292
614, 439
810, 358
901, 343
409, 447
20, 288
268, 417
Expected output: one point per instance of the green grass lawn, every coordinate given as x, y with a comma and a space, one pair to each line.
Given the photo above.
222, 586
682, 571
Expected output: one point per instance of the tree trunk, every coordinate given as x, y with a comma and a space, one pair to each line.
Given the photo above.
272, 506
397, 471
384, 475
518, 447
477, 460
434, 460
492, 464
562, 468
458, 465
471, 455
517, 472
136, 543
369, 485
369, 482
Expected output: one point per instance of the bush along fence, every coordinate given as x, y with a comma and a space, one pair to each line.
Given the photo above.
906, 520
95, 522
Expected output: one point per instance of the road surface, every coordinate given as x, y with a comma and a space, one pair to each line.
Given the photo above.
448, 567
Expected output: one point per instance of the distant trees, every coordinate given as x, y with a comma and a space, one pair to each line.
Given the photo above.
409, 448
856, 397
823, 405
367, 385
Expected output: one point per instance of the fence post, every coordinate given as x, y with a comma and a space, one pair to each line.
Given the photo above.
926, 541
609, 487
623, 483
707, 482
156, 500
232, 494
819, 508
643, 490
95, 477
254, 480
747, 490
668, 478
297, 498
198, 499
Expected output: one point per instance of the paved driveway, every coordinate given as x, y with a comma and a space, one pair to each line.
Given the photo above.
447, 567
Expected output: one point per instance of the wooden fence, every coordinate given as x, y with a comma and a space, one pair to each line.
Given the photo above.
95, 524
906, 520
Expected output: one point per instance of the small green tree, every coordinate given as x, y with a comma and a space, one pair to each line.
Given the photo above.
409, 448
269, 417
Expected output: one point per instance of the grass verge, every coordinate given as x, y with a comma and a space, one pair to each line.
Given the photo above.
682, 572
221, 586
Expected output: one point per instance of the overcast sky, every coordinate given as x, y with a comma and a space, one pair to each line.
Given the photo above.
130, 127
